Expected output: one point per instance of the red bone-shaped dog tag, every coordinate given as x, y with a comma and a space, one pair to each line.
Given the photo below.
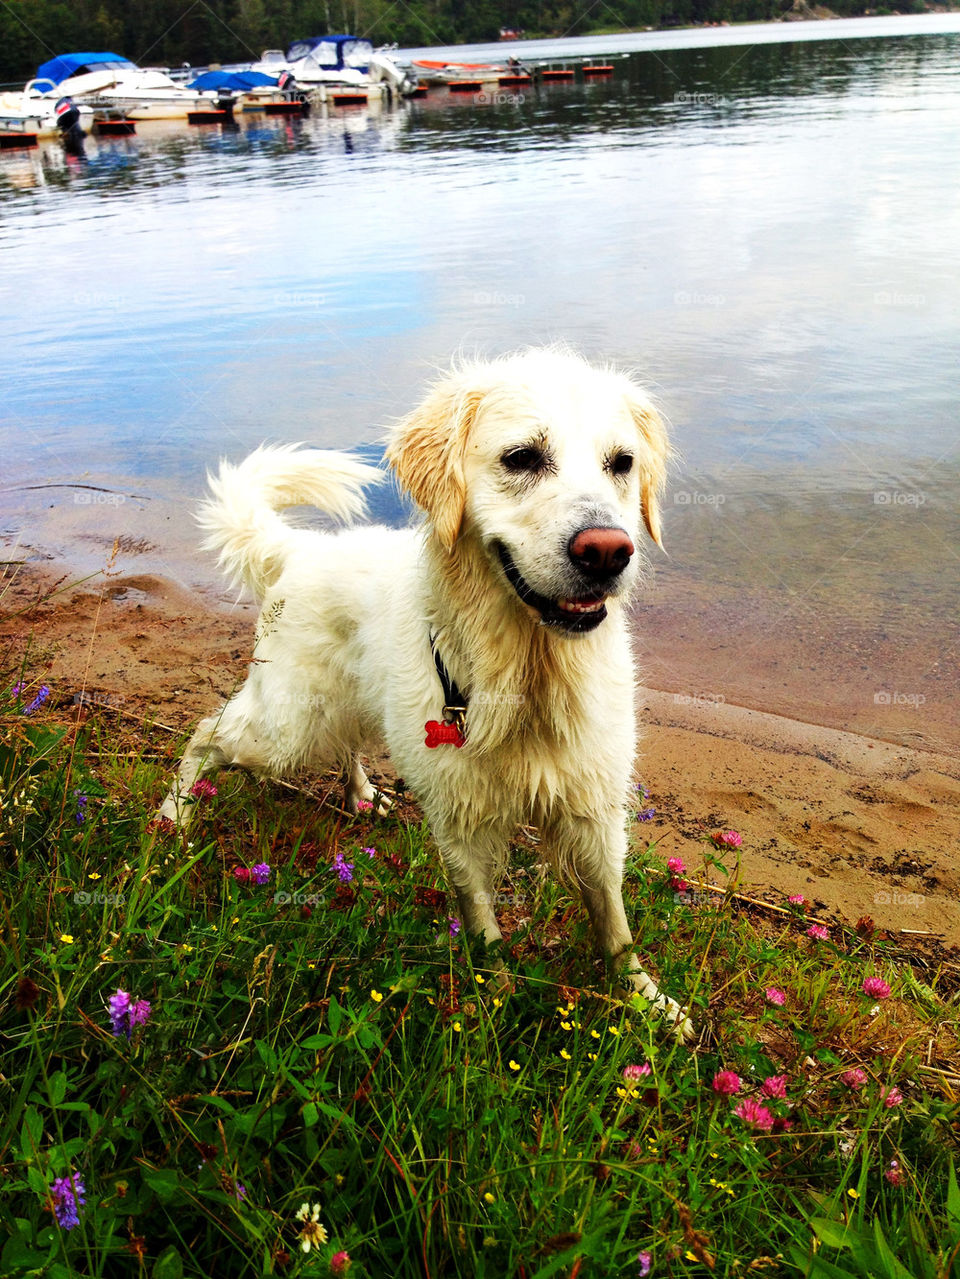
443, 734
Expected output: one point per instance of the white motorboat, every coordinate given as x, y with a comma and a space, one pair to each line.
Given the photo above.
107, 81
22, 112
347, 62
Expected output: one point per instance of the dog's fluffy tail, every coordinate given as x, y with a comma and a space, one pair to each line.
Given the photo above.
242, 518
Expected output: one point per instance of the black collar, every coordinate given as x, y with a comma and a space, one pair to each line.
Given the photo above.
454, 701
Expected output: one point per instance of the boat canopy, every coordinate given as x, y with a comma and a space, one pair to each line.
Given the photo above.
333, 52
239, 81
71, 64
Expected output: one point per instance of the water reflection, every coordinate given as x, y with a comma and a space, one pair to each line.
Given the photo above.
768, 234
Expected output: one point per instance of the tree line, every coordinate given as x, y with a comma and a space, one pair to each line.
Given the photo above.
171, 32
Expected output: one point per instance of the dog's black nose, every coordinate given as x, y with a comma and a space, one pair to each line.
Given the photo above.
600, 553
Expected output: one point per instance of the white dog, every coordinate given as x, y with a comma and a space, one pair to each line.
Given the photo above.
488, 650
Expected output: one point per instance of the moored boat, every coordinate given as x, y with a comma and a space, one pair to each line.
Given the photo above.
22, 112
110, 82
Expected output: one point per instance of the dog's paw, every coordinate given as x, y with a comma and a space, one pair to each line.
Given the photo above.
644, 993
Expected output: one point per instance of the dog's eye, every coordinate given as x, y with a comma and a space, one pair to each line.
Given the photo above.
621, 463
524, 459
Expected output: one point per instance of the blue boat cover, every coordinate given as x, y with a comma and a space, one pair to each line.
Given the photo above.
338, 51
236, 80
70, 64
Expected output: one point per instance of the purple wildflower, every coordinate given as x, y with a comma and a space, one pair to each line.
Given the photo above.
645, 1261
894, 1173
646, 814
38, 701
80, 816
69, 1196
371, 852
127, 1014
16, 690
454, 926
260, 873
343, 868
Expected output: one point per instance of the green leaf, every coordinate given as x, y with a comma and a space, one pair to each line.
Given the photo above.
169, 1265
38, 1183
163, 1181
836, 1234
334, 1015
31, 1134
58, 1087
19, 1252
953, 1202
892, 1266
314, 1042
310, 1114
267, 1055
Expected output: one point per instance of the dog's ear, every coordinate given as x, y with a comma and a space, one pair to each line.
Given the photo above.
655, 453
426, 451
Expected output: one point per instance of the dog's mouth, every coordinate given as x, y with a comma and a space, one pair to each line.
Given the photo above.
572, 613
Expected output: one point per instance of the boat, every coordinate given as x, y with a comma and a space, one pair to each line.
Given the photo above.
107, 81
22, 112
439, 71
347, 62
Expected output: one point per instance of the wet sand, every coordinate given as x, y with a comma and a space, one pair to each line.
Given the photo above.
860, 826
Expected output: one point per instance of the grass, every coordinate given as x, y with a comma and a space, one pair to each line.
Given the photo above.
319, 1041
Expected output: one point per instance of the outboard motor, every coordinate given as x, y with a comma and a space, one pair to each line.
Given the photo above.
68, 122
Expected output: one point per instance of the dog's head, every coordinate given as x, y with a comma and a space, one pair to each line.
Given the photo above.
546, 463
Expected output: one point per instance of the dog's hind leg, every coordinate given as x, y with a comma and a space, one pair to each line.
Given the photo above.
592, 852
357, 787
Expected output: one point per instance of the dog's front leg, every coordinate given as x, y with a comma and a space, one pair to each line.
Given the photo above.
471, 859
592, 852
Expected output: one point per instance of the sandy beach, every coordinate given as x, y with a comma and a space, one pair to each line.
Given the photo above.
859, 826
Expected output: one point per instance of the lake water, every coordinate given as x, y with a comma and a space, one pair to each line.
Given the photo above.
764, 224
